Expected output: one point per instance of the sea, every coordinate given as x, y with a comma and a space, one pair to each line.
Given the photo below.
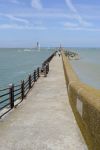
17, 63
88, 66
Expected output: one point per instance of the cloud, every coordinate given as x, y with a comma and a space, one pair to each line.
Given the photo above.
70, 25
77, 27
36, 4
12, 17
25, 23
71, 6
85, 29
21, 27
20, 23
76, 14
45, 14
14, 1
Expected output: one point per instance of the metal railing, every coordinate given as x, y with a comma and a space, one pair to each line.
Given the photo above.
13, 95
49, 59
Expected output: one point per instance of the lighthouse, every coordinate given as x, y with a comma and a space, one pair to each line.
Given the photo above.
38, 46
60, 48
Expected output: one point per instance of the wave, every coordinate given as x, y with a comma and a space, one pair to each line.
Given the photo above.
27, 50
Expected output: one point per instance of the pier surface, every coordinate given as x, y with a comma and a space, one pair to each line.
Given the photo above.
44, 120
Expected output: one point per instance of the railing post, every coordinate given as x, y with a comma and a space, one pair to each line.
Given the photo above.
11, 95
30, 86
38, 72
48, 67
22, 90
44, 70
35, 76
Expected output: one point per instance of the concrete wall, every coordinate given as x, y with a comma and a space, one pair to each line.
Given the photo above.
85, 103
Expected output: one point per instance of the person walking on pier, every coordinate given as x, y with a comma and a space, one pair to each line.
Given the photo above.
59, 53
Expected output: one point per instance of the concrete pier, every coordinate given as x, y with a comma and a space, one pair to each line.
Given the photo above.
44, 120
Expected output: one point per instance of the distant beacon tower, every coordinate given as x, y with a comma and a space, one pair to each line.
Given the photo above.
60, 48
38, 46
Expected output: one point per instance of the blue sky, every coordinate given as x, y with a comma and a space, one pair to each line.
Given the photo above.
51, 22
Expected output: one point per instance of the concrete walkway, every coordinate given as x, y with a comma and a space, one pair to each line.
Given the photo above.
44, 120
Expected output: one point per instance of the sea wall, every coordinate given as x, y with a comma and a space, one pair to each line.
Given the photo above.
85, 103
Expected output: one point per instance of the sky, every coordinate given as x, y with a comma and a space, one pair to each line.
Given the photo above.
72, 23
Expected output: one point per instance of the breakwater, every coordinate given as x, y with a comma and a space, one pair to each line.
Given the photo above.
13, 95
72, 55
85, 102
44, 120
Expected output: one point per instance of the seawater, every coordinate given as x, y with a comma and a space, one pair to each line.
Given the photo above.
88, 67
17, 63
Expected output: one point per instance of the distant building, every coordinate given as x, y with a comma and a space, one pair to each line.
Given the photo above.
38, 46
60, 48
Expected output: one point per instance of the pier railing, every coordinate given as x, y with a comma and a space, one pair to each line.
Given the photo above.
85, 102
13, 95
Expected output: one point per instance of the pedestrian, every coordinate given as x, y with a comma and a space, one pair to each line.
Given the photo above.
59, 53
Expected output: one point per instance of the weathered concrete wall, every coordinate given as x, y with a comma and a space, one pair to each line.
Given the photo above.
85, 102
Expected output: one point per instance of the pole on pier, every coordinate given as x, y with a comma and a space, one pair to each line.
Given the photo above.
29, 78
11, 95
38, 72
22, 90
48, 67
45, 72
35, 76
